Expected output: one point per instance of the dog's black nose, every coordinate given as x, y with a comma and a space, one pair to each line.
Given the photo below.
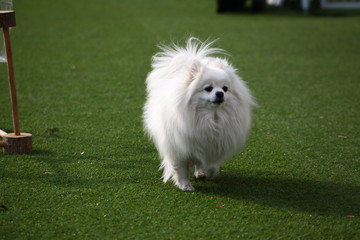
219, 94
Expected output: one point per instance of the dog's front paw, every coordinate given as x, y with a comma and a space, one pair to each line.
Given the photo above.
212, 172
187, 188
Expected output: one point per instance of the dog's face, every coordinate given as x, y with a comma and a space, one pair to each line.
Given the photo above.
213, 87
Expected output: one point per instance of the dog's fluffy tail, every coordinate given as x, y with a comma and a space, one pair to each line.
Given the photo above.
175, 56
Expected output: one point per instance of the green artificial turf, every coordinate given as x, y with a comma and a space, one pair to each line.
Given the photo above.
80, 68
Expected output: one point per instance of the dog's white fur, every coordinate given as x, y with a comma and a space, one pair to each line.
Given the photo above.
188, 124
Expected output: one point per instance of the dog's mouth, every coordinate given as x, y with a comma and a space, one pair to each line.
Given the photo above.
218, 101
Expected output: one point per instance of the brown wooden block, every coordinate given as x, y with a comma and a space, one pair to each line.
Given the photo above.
17, 144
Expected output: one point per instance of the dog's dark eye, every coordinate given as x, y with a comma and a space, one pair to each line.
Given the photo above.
208, 89
225, 88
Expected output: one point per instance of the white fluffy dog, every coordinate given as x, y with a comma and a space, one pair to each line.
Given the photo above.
198, 111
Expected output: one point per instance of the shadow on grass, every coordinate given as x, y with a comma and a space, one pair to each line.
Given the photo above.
322, 198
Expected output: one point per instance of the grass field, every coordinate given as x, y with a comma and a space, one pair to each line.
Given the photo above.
80, 67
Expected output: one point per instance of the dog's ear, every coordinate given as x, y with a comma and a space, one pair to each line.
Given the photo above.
195, 70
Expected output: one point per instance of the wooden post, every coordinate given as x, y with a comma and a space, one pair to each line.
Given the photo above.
12, 85
17, 142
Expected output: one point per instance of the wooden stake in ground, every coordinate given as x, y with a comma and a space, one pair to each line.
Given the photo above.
17, 142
